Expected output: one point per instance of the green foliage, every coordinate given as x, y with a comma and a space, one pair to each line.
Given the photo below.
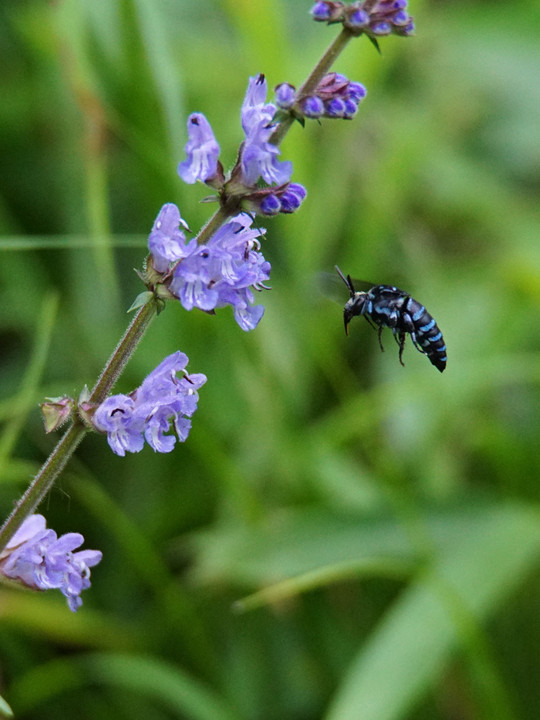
340, 537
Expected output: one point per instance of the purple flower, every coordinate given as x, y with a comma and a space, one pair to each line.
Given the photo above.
223, 272
380, 27
359, 19
285, 95
259, 158
320, 11
202, 151
312, 106
327, 11
115, 417
356, 91
36, 557
335, 108
167, 243
270, 205
163, 400
255, 109
292, 198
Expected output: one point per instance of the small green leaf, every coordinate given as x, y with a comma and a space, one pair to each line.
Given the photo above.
5, 710
141, 300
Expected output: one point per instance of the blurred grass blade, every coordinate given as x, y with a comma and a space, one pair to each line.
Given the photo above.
156, 680
475, 572
164, 70
25, 398
340, 572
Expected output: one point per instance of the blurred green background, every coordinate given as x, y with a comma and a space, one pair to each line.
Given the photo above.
340, 537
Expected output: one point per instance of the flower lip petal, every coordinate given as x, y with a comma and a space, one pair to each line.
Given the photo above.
202, 151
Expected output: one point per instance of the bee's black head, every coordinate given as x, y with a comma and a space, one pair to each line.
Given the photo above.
354, 306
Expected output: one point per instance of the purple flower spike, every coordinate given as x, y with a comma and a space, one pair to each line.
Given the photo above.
202, 151
148, 412
223, 271
167, 243
36, 557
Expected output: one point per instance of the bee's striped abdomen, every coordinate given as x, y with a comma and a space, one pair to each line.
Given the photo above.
426, 335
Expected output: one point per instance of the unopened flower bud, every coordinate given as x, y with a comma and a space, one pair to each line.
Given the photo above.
56, 411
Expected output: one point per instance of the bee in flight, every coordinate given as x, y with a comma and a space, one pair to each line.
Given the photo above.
387, 306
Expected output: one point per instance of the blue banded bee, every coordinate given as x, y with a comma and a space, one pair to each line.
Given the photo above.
387, 306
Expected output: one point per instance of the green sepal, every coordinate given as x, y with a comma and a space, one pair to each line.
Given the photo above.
141, 300
160, 305
281, 115
375, 43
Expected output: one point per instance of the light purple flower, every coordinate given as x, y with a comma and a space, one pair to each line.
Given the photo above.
202, 151
321, 11
312, 106
270, 205
167, 243
255, 109
359, 19
223, 271
259, 158
292, 198
285, 95
36, 557
163, 400
115, 417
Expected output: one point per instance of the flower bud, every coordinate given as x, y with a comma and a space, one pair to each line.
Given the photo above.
56, 411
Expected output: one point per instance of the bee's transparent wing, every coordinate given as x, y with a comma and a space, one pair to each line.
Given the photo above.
332, 286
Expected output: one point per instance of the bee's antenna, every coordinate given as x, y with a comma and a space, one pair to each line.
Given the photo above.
347, 280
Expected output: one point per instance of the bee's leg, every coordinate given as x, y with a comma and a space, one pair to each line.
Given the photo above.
379, 336
402, 337
416, 345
